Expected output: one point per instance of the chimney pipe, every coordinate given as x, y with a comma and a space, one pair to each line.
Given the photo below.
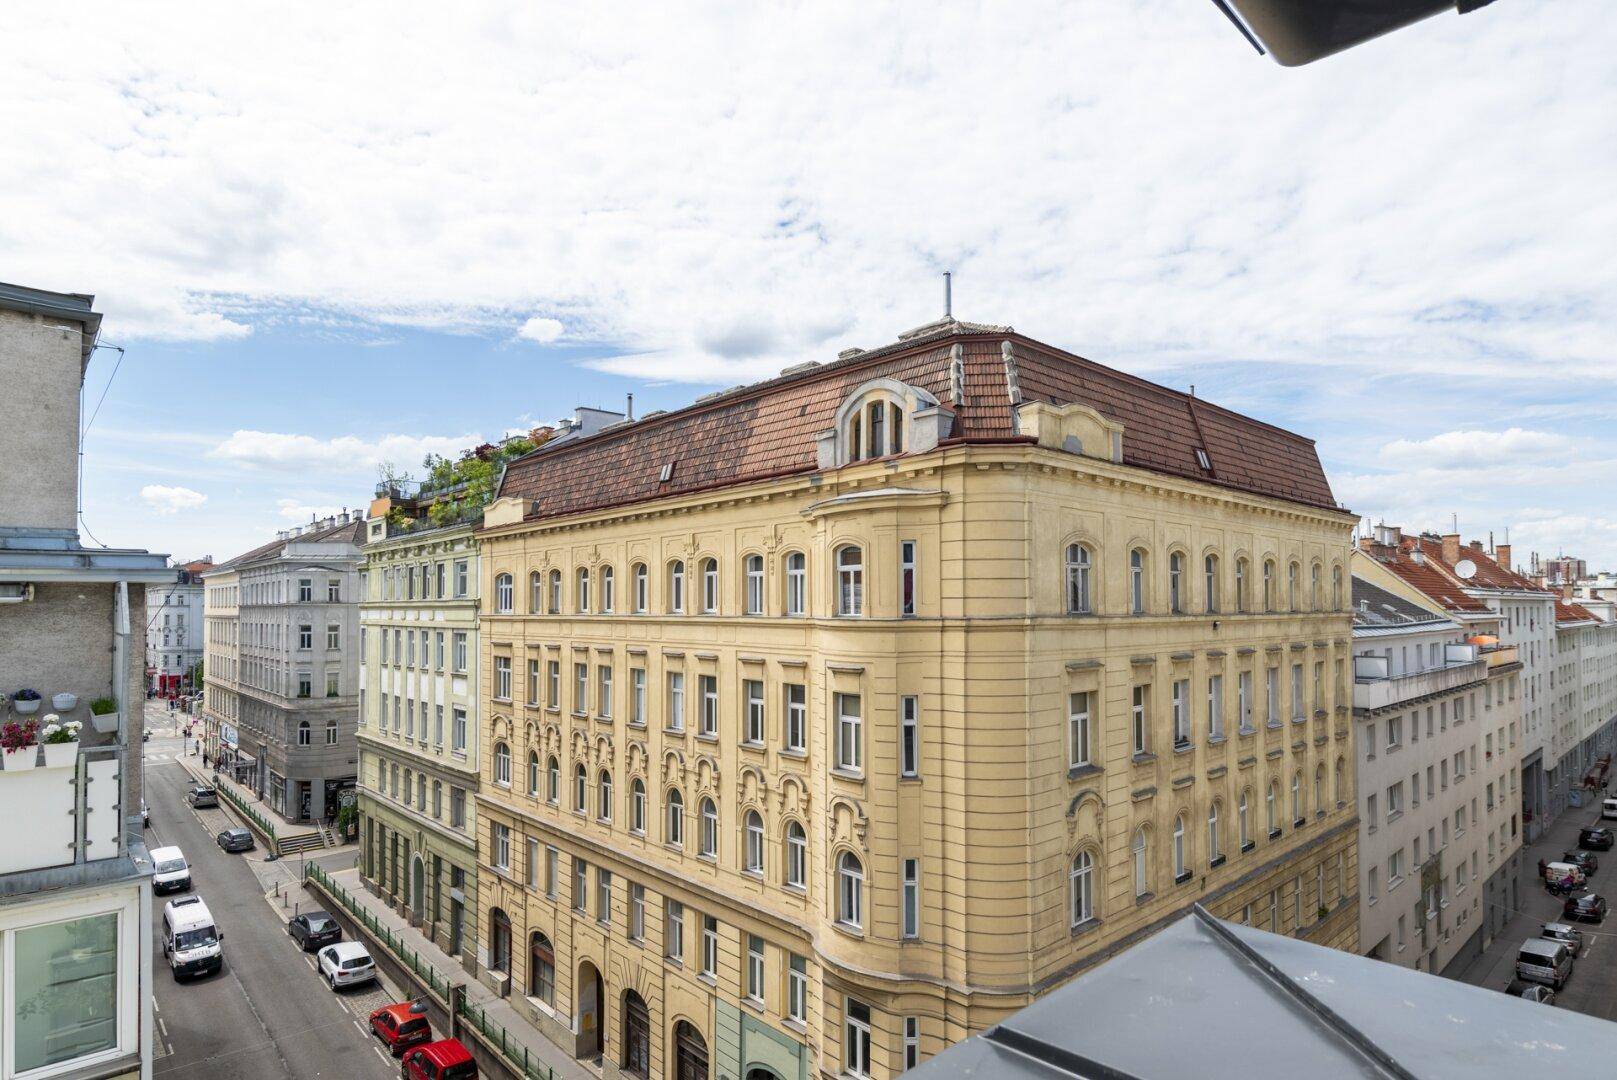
629, 412
1451, 548
1501, 555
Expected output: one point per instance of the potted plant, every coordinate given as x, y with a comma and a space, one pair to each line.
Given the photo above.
64, 702
104, 715
25, 701
60, 740
18, 742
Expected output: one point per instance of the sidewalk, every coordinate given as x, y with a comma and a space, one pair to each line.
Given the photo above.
291, 836
496, 1009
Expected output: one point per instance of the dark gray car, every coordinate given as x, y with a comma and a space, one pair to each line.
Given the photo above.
235, 840
314, 930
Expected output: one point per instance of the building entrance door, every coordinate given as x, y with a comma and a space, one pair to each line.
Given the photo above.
690, 1053
418, 890
636, 1035
305, 801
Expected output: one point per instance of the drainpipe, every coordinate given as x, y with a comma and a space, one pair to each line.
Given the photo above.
120, 657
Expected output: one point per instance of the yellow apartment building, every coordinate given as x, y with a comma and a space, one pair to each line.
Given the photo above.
833, 718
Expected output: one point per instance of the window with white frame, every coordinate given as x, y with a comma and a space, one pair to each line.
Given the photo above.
910, 904
796, 856
753, 692
909, 736
708, 686
1214, 852
641, 586
637, 696
906, 578
710, 946
1215, 706
753, 843
502, 764
850, 732
795, 735
676, 587
707, 833
1137, 582
553, 781
603, 796
796, 583
856, 1039
797, 990
850, 581
674, 930
553, 602
1181, 714
501, 835
1081, 888
1142, 866
850, 890
1078, 728
502, 678
1210, 583
676, 701
637, 806
1180, 870
581, 590
710, 586
1080, 567
755, 968
754, 572
502, 594
1176, 583
580, 789
674, 826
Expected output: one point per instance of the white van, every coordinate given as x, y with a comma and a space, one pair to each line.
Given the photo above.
190, 938
1545, 961
1608, 809
173, 873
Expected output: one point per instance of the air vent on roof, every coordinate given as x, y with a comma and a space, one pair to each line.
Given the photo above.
667, 473
810, 365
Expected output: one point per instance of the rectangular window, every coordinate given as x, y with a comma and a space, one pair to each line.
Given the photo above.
581, 688
333, 636
457, 731
754, 689
460, 652
581, 886
1243, 692
710, 946
457, 807
911, 913
64, 994
755, 967
603, 896
552, 861
856, 1039
603, 691
1078, 731
637, 912
305, 637
850, 732
501, 845
709, 688
796, 733
438, 640
532, 867
533, 682
331, 684
502, 678
333, 590
1297, 693
305, 590
674, 930
1215, 706
912, 1041
906, 577
1181, 714
797, 990
909, 747
553, 681
637, 696
1271, 687
676, 701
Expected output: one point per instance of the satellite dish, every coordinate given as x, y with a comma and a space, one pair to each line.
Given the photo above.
1465, 569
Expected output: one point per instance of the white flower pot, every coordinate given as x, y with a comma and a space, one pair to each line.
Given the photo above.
26, 708
64, 702
18, 760
105, 723
61, 755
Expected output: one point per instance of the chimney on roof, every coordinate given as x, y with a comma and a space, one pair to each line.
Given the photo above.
628, 412
1501, 555
282, 535
1417, 556
1566, 591
1390, 535
1451, 548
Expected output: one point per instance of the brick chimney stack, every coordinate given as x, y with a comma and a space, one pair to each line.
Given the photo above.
1451, 548
1501, 555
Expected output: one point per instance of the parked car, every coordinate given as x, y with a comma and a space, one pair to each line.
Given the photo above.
313, 930
1596, 838
235, 840
171, 872
1542, 960
346, 963
1583, 860
400, 1026
1608, 809
445, 1059
1531, 991
1585, 907
1559, 931
200, 796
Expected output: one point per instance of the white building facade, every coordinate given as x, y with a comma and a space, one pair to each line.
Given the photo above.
174, 630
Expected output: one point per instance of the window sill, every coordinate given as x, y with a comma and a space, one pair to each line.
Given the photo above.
751, 744
1182, 878
553, 709
796, 1025
844, 773
1079, 772
708, 736
1183, 747
1272, 725
1144, 757
1246, 729
1215, 740
857, 932
677, 732
575, 714
1089, 925
1275, 834
1248, 846
1141, 899
796, 753
1299, 823
1216, 863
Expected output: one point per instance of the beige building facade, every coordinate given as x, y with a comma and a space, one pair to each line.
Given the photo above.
833, 719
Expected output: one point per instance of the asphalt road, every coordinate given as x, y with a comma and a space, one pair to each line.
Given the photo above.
266, 1014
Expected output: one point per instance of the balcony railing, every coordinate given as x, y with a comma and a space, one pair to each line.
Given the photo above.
1378, 693
43, 804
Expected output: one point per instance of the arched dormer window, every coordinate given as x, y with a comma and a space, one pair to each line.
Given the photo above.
880, 418
1080, 571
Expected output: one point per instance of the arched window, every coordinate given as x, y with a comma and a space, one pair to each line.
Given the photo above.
754, 574
1297, 797
1081, 882
1137, 582
554, 606
582, 590
1210, 583
1213, 849
541, 969
637, 806
536, 594
1179, 855
1314, 597
850, 581
553, 781
1319, 789
753, 846
1336, 588
331, 732
1142, 864
1243, 821
674, 827
676, 587
796, 856
581, 785
710, 586
707, 840
533, 773
603, 796
1268, 585
609, 598
502, 594
796, 583
1340, 789
1273, 807
1291, 587
1080, 567
304, 733
641, 587
850, 890
502, 764
1176, 583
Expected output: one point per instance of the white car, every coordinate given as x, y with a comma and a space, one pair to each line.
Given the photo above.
346, 963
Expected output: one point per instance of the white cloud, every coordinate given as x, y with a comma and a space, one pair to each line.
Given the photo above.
541, 329
300, 512
1469, 449
348, 454
171, 500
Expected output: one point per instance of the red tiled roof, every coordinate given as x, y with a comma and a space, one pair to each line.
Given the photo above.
1422, 576
1487, 574
1568, 612
770, 429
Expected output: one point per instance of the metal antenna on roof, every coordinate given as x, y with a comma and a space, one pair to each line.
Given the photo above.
948, 294
1455, 528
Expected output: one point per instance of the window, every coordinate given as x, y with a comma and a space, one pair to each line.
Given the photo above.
1213, 855
533, 682
603, 796
1297, 693
1137, 582
850, 890
1215, 707
911, 906
603, 691
796, 583
1297, 798
674, 829
674, 930
334, 639
796, 856
797, 990
1243, 823
553, 781
305, 590
1180, 873
753, 848
581, 885
1243, 693
906, 577
637, 696
331, 732
1078, 731
1181, 714
754, 570
753, 690
707, 840
580, 788
909, 746
536, 594
1240, 586
1142, 866
553, 604
850, 746
306, 637
332, 690
502, 678
795, 734
502, 764
912, 1041
533, 773
708, 686
502, 594
637, 806
710, 946
637, 912
1079, 570
1176, 583
1313, 588
856, 1039
459, 652
303, 732
1268, 585
755, 967
710, 586
676, 587
581, 591
553, 683
1210, 583
639, 577
1081, 882
457, 732
581, 688
676, 701
502, 845
305, 684
1291, 587
850, 581
603, 895
462, 579
1319, 789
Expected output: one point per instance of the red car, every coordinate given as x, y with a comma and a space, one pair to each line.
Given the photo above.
445, 1059
399, 1027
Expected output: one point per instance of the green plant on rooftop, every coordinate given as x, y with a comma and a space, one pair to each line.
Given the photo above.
465, 484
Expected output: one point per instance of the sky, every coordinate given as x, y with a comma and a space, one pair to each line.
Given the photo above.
332, 237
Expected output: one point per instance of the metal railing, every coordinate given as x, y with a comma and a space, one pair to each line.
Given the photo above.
519, 1057
438, 984
250, 812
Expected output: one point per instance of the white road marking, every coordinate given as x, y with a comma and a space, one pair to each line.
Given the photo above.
379, 1054
162, 1027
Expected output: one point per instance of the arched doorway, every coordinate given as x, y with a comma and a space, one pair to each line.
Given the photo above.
541, 969
690, 1053
758, 1072
418, 888
589, 995
499, 941
636, 1035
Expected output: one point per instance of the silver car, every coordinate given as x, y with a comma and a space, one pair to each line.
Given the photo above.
1559, 931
